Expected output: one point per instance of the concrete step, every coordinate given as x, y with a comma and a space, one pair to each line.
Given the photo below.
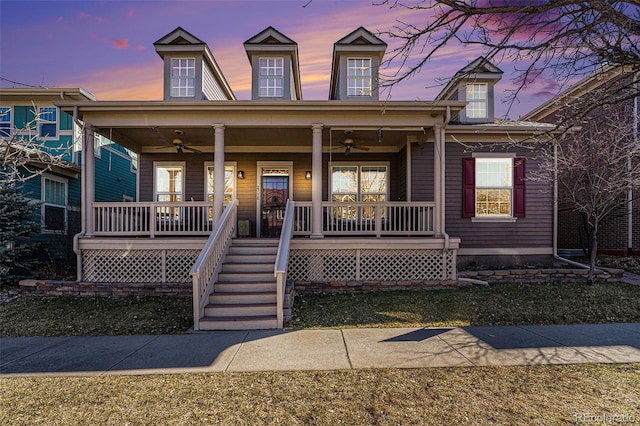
240, 297
248, 267
239, 309
256, 241
252, 250
239, 323
248, 277
244, 287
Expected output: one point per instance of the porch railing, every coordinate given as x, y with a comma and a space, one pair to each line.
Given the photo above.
151, 219
205, 271
361, 218
282, 259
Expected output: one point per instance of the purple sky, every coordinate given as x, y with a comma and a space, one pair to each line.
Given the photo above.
106, 47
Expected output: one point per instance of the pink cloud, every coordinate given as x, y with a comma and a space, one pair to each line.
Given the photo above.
122, 43
140, 47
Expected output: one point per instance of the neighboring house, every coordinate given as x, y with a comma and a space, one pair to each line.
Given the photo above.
32, 112
382, 191
619, 234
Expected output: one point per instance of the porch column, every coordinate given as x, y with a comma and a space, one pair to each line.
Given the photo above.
218, 172
316, 182
88, 171
438, 178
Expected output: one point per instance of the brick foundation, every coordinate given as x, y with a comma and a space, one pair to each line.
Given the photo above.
560, 275
75, 288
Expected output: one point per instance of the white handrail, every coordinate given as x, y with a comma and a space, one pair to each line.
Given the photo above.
204, 272
282, 259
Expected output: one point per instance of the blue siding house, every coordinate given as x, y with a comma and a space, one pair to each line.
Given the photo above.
32, 112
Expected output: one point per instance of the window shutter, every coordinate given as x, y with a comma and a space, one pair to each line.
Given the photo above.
518, 187
468, 187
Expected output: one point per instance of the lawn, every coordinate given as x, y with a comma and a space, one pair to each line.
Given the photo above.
541, 395
499, 304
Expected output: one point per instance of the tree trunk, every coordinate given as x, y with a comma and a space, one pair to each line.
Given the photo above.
593, 252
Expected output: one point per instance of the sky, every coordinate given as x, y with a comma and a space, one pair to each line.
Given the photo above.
106, 46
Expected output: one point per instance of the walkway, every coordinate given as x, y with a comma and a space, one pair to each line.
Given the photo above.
271, 350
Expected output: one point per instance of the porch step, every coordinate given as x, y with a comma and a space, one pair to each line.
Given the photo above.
239, 323
244, 297
239, 309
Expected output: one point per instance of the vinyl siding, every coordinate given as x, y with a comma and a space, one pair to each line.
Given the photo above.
114, 178
534, 230
210, 87
422, 172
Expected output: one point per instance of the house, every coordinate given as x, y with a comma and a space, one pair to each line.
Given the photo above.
619, 233
326, 195
31, 112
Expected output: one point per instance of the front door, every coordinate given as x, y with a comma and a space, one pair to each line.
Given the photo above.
274, 193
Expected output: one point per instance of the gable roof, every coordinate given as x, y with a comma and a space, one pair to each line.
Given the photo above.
479, 68
358, 40
586, 85
271, 40
182, 41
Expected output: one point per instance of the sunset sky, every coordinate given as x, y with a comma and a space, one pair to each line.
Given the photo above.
106, 46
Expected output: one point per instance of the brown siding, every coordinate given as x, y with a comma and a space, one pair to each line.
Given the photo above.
534, 230
422, 172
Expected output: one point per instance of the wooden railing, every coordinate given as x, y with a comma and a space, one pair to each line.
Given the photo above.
205, 271
360, 218
152, 219
282, 259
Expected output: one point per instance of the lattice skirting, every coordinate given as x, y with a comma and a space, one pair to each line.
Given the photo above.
138, 266
327, 265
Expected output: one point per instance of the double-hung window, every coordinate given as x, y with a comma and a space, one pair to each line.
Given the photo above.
477, 98
183, 77
5, 122
493, 187
358, 183
48, 122
271, 78
229, 183
359, 77
54, 204
169, 188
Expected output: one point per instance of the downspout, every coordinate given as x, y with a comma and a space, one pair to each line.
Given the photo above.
629, 168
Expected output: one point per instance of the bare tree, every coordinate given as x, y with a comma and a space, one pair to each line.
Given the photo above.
564, 39
594, 169
24, 154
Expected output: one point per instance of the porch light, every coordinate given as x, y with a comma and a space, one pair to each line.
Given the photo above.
307, 175
240, 174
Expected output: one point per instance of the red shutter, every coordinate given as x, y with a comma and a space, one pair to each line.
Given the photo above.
468, 187
518, 187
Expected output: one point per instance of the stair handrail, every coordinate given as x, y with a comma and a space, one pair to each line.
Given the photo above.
282, 259
204, 272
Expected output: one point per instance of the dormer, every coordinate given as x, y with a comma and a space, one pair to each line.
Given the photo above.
354, 71
190, 70
474, 84
275, 69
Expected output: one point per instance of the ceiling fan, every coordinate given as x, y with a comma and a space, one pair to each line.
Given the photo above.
350, 145
178, 143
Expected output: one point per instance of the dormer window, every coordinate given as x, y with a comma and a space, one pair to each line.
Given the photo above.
359, 77
271, 77
477, 96
183, 76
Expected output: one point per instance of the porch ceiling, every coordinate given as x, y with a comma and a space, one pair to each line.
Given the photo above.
149, 127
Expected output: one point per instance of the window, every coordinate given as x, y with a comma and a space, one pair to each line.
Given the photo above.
358, 183
477, 97
169, 181
271, 78
493, 187
5, 121
97, 144
54, 205
183, 73
48, 122
229, 183
359, 77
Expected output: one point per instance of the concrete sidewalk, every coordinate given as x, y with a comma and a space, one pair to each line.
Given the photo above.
273, 350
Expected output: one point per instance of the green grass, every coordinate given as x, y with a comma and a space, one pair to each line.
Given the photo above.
540, 395
498, 304
94, 316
